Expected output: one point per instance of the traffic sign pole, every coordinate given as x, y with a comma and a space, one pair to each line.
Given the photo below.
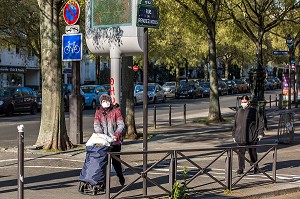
72, 51
147, 17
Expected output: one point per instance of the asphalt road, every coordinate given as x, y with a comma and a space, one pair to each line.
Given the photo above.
194, 108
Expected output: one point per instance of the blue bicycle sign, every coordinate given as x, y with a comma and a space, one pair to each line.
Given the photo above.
72, 47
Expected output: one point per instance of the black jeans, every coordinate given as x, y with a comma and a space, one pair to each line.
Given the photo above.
116, 164
252, 153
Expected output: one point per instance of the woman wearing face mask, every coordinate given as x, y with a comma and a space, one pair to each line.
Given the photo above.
109, 121
247, 130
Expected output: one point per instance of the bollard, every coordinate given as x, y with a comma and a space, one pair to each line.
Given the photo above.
184, 113
280, 101
169, 115
270, 99
276, 101
154, 117
21, 161
228, 170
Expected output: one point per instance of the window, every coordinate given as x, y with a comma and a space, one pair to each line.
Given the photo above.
26, 92
18, 92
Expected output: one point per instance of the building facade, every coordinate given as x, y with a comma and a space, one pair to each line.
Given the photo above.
18, 67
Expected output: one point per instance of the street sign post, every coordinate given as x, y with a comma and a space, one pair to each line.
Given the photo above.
72, 51
72, 47
147, 15
71, 12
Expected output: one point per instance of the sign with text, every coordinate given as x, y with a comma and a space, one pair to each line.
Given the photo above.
147, 15
280, 52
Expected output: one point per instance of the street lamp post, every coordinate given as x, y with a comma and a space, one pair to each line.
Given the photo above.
290, 45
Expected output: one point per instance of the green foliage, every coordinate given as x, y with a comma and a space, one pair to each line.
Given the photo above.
227, 192
19, 24
180, 189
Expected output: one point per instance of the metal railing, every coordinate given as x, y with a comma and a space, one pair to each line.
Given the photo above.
174, 156
277, 102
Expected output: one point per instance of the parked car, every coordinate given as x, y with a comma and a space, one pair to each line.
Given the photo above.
169, 88
138, 94
16, 100
268, 84
222, 88
91, 94
156, 93
107, 87
279, 83
189, 90
232, 87
206, 89
247, 80
273, 84
276, 82
241, 85
67, 90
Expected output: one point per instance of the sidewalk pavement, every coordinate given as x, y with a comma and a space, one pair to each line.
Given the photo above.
49, 175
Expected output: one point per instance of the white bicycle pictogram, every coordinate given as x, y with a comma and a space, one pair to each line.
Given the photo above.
71, 47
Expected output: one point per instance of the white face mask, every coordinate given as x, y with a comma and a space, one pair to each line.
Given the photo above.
105, 104
244, 105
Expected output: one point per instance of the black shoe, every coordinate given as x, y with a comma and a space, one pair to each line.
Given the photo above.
255, 171
240, 171
121, 180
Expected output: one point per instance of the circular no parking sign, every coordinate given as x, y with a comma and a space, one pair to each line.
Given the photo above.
71, 12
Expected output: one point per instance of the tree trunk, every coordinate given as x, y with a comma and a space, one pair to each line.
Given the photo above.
214, 105
127, 97
53, 132
226, 69
177, 75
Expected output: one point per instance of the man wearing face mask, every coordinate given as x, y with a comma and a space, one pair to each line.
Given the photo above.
109, 121
247, 130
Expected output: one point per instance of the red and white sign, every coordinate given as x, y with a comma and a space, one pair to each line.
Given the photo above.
71, 12
135, 68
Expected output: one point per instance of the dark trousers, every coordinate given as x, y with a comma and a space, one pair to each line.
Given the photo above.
116, 164
252, 153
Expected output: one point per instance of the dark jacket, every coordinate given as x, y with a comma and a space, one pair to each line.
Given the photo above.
247, 126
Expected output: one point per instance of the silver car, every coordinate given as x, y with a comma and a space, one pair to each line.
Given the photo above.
169, 88
155, 93
138, 94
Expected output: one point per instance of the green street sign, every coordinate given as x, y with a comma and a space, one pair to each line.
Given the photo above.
147, 15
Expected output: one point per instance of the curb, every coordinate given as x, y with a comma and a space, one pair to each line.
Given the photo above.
273, 193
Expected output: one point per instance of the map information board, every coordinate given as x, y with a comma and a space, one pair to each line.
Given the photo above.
108, 13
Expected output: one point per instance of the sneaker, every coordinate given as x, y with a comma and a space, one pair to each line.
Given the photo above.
100, 188
240, 171
121, 180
